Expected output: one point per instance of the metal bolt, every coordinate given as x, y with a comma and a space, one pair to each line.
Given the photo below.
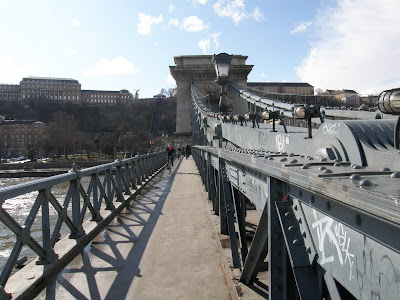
304, 234
309, 158
305, 166
355, 177
395, 175
283, 159
293, 161
327, 171
385, 169
291, 154
366, 182
291, 228
297, 242
308, 250
322, 168
270, 158
337, 165
323, 159
356, 167
288, 215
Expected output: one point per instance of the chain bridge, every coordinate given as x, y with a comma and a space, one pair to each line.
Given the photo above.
304, 199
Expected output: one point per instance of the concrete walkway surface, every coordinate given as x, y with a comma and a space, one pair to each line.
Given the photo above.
164, 246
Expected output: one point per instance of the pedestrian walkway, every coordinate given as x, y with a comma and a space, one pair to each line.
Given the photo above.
164, 246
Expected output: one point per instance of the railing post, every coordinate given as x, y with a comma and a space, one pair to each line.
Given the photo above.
139, 170
210, 179
277, 264
147, 166
96, 200
221, 205
46, 242
76, 204
229, 210
133, 175
126, 180
118, 179
108, 184
151, 162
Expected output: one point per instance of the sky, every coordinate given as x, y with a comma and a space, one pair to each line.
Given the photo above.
121, 44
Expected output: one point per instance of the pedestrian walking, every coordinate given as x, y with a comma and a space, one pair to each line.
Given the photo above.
188, 150
170, 151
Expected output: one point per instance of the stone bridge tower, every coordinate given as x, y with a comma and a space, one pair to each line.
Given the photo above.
200, 69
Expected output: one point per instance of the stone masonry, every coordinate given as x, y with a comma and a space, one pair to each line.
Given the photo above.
200, 69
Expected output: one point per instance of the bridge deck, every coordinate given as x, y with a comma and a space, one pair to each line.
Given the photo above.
163, 247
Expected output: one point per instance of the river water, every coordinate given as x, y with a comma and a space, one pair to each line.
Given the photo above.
19, 208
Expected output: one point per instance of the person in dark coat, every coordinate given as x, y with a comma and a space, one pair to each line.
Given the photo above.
170, 151
188, 150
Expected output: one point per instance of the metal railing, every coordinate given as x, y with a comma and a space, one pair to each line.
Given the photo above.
326, 228
110, 189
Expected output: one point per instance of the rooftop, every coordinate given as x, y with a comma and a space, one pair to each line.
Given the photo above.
302, 84
49, 78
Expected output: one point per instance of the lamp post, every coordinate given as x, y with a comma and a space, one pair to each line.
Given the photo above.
389, 103
307, 112
222, 62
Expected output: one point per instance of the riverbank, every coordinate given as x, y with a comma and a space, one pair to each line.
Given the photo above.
59, 164
32, 173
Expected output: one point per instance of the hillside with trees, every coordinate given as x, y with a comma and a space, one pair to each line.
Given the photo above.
89, 129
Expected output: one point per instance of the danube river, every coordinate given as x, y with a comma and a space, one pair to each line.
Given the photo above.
19, 208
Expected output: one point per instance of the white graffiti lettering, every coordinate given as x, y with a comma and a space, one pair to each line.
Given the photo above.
331, 128
344, 243
338, 238
280, 142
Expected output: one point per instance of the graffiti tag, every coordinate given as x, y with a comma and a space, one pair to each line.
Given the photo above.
281, 142
338, 238
331, 128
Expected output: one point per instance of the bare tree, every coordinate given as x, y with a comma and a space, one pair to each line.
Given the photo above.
63, 133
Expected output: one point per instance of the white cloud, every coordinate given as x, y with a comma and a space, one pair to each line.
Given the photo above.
301, 27
193, 24
236, 10
73, 52
201, 2
357, 51
145, 23
171, 9
76, 23
205, 45
116, 66
173, 22
215, 38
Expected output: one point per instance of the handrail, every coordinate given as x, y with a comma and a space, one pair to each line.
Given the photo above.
122, 178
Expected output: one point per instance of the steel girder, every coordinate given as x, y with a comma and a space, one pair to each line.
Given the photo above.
324, 233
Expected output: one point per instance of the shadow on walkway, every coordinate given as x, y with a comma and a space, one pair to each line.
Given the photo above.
108, 266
